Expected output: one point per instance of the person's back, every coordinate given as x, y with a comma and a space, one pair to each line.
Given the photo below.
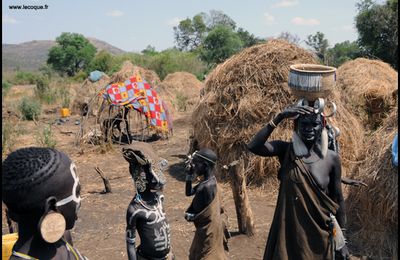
41, 190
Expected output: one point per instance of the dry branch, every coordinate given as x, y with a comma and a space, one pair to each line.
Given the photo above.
107, 185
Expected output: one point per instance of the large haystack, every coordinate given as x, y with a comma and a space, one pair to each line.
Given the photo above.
128, 70
373, 211
181, 90
370, 86
245, 93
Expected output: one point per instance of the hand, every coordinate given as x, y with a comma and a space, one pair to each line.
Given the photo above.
189, 216
358, 183
352, 182
343, 253
189, 169
296, 111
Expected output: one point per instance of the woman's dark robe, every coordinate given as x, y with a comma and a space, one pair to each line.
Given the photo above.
300, 228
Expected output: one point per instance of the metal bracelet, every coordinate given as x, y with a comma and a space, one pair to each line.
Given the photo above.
271, 123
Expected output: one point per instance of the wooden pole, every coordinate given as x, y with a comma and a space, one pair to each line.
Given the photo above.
243, 210
107, 185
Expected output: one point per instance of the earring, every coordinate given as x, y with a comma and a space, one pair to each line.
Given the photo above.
52, 225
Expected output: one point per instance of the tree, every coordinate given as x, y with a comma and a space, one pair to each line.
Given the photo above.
377, 26
102, 62
247, 38
220, 43
189, 34
217, 18
318, 43
72, 53
150, 50
287, 36
342, 52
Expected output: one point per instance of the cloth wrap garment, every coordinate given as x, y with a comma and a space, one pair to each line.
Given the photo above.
300, 227
208, 239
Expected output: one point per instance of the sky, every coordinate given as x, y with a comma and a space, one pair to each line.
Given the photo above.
132, 25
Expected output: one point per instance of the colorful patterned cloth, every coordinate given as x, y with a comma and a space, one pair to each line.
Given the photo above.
135, 93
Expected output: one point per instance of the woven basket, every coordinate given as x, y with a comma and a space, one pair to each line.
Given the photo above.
311, 81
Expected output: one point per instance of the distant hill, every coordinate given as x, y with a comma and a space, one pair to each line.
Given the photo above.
31, 55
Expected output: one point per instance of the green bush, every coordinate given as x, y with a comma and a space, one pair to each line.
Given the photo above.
65, 97
43, 90
29, 108
45, 137
42, 86
9, 136
102, 62
164, 63
5, 87
80, 76
22, 77
172, 60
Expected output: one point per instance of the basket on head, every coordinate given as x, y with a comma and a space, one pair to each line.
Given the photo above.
311, 81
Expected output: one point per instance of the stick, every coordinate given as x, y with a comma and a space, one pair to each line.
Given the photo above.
106, 182
244, 213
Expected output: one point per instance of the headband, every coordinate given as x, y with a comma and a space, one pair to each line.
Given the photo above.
201, 156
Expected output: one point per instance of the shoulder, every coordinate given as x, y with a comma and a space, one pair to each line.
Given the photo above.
333, 156
133, 209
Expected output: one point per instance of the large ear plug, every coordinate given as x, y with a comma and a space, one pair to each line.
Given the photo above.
319, 105
52, 225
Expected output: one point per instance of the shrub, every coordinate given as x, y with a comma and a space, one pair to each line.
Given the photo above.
65, 97
102, 62
9, 136
45, 137
5, 87
43, 90
80, 76
170, 61
29, 108
22, 77
42, 86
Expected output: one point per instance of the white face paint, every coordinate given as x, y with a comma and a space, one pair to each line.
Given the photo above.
73, 196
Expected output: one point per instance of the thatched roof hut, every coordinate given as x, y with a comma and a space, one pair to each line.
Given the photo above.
84, 93
372, 212
245, 93
370, 87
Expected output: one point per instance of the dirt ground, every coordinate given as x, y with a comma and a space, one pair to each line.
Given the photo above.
100, 230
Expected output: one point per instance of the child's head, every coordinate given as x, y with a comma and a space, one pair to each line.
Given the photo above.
36, 180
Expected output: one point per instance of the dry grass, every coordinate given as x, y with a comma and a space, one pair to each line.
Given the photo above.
373, 211
180, 84
82, 94
370, 87
248, 90
128, 70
